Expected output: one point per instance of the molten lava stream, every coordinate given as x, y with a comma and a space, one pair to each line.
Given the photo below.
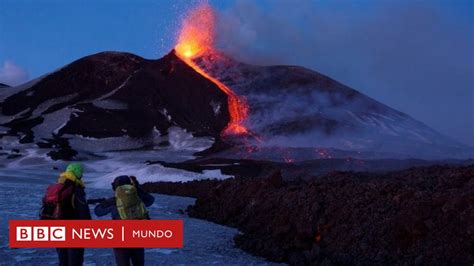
195, 38
238, 108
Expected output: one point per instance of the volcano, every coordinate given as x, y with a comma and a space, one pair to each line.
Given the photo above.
110, 95
135, 103
115, 94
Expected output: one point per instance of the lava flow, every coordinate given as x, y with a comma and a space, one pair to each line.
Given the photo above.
195, 38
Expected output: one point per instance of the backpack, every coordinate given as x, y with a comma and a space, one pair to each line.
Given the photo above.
57, 202
129, 204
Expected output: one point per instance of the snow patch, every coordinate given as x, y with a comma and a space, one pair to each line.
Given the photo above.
92, 145
154, 173
110, 105
420, 137
180, 139
52, 123
216, 107
105, 96
165, 113
48, 103
6, 119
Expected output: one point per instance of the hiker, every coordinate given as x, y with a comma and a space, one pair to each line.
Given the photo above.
129, 203
66, 200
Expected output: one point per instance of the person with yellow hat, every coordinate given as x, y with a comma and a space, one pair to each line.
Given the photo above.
66, 200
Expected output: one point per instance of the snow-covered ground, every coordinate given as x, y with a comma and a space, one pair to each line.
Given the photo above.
105, 159
21, 190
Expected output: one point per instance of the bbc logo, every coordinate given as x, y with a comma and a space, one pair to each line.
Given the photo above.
41, 233
95, 234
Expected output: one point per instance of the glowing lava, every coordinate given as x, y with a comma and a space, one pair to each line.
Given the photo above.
195, 38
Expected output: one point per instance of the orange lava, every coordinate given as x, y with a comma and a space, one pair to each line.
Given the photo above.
195, 38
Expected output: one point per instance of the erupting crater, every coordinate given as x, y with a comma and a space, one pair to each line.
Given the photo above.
195, 38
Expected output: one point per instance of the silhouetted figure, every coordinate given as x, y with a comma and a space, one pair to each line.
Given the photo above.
129, 203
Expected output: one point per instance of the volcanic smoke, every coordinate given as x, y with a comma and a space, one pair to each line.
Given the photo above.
197, 37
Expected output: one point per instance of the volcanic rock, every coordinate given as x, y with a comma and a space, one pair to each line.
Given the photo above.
297, 171
416, 216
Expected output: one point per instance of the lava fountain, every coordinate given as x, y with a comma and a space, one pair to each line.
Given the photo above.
195, 38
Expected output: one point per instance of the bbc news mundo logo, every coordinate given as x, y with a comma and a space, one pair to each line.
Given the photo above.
41, 233
96, 234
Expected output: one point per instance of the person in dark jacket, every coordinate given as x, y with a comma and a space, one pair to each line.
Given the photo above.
125, 256
77, 210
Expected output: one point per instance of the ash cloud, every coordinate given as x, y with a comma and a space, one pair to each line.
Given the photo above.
12, 74
415, 57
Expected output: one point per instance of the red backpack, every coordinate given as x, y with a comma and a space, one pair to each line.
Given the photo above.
57, 202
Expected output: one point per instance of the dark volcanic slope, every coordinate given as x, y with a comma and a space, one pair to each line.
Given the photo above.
115, 94
419, 216
298, 107
3, 85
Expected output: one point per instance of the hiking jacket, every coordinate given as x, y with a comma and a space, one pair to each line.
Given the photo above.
109, 205
77, 209
81, 208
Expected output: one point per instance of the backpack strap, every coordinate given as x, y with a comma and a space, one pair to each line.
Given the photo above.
73, 199
67, 184
133, 182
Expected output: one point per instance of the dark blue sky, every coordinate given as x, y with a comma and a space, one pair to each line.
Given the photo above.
416, 56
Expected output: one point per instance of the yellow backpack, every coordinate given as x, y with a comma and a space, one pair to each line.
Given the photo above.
129, 204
